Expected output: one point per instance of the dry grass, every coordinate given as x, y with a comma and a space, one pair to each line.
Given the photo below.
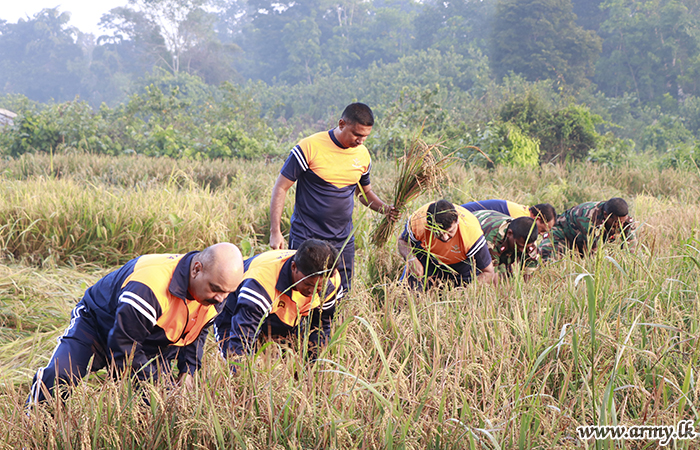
610, 339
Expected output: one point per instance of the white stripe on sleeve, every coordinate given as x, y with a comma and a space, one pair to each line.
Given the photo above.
299, 155
329, 304
139, 305
476, 247
256, 301
261, 298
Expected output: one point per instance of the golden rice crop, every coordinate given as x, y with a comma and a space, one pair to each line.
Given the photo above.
608, 340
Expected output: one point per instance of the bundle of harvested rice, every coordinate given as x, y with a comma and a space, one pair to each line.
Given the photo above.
421, 167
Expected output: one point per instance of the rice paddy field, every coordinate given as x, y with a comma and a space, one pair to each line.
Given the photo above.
607, 340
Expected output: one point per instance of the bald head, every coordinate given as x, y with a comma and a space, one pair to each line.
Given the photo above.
215, 272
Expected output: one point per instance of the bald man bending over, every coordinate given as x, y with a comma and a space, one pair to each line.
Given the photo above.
129, 319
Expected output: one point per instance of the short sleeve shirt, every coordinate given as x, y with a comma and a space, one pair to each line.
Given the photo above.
326, 175
466, 243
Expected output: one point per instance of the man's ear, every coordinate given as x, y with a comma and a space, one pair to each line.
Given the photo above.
341, 124
196, 269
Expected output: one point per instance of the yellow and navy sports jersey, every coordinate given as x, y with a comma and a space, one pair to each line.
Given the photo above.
266, 302
468, 243
326, 174
145, 306
506, 207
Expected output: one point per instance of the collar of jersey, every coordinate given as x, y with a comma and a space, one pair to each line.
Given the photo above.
179, 285
335, 141
284, 281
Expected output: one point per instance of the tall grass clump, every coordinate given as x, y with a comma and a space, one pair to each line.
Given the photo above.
130, 172
63, 220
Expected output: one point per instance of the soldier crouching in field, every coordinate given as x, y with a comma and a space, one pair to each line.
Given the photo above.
442, 241
130, 318
510, 240
544, 214
280, 288
582, 228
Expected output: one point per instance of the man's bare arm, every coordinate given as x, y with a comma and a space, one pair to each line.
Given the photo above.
369, 198
413, 265
279, 192
487, 275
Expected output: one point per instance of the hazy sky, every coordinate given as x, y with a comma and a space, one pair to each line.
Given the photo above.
85, 14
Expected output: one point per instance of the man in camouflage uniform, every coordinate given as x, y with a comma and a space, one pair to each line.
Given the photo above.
543, 213
582, 227
509, 240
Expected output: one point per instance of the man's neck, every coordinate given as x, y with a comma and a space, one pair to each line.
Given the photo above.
334, 132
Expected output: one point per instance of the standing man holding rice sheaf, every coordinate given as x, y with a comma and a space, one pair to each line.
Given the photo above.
330, 168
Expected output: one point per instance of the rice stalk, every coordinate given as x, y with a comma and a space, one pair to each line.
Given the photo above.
422, 167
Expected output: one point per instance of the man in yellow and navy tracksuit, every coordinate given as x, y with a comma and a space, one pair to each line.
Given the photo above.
329, 168
279, 289
137, 312
544, 214
444, 241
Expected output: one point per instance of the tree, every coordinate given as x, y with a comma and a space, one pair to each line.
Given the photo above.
589, 13
135, 44
303, 44
651, 48
40, 57
263, 39
454, 25
540, 40
178, 24
177, 34
367, 32
293, 41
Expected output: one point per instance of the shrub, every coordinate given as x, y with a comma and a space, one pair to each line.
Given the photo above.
611, 151
665, 133
232, 141
174, 117
570, 133
564, 133
33, 133
682, 156
519, 150
690, 111
505, 143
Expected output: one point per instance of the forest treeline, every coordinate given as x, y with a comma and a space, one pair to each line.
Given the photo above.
525, 81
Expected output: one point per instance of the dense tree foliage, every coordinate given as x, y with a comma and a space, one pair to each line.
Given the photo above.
541, 40
520, 79
457, 26
651, 48
41, 57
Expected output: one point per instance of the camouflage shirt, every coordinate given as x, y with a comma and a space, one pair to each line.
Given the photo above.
575, 229
495, 226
